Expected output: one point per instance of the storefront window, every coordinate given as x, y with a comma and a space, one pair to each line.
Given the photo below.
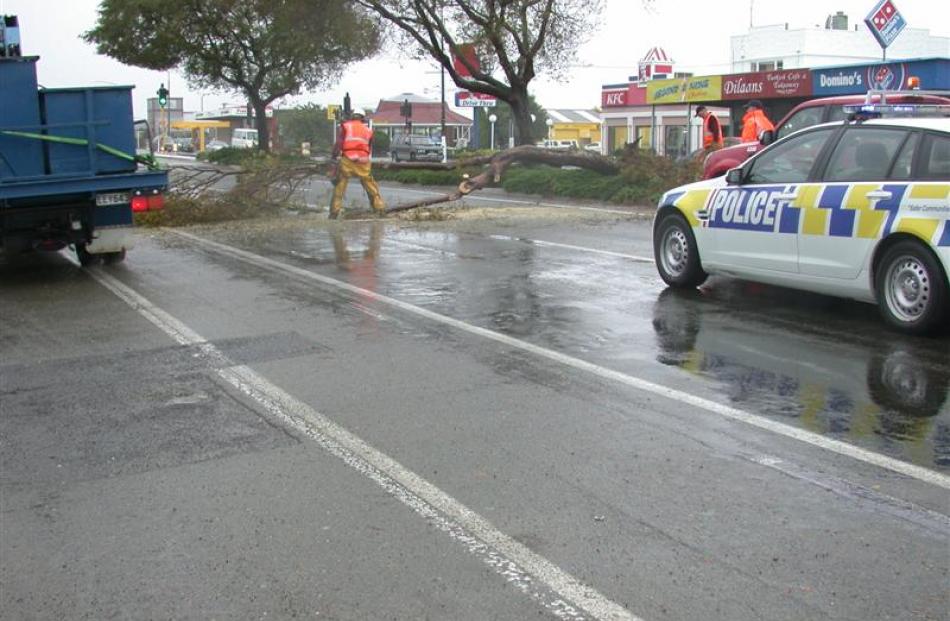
674, 141
644, 135
616, 138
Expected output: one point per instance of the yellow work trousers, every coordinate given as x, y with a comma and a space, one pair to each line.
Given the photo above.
348, 168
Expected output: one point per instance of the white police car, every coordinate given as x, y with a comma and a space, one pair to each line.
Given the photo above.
858, 210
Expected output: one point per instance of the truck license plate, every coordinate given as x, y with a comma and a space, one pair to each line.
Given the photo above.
112, 198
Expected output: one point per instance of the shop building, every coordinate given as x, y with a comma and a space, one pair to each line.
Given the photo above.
658, 114
426, 119
581, 126
837, 42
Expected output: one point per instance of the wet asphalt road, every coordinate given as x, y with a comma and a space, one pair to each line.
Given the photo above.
500, 418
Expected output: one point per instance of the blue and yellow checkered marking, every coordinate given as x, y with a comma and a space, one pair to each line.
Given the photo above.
828, 210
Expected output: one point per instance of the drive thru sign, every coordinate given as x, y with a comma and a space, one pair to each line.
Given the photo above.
885, 22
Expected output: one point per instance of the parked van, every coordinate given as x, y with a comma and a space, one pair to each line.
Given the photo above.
244, 138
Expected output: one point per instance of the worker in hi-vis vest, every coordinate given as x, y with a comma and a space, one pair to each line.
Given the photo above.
355, 144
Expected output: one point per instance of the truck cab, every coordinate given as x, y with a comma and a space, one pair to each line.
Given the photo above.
806, 114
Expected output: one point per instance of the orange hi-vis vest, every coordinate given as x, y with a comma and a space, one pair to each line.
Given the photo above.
356, 137
753, 124
711, 136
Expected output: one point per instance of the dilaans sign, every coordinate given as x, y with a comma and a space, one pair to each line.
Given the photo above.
767, 84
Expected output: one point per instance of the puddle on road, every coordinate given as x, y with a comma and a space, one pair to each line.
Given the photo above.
823, 364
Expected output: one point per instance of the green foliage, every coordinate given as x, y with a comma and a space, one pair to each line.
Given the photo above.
505, 124
381, 142
307, 123
233, 156
643, 179
514, 40
264, 49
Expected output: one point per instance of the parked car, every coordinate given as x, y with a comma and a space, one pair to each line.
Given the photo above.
244, 138
414, 147
215, 145
859, 209
804, 115
563, 145
593, 147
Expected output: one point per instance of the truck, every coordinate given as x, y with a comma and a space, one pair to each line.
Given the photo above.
810, 113
69, 171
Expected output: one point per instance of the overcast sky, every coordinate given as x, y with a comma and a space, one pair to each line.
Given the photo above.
696, 34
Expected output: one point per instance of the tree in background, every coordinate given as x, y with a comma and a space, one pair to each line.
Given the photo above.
505, 123
264, 49
307, 123
514, 41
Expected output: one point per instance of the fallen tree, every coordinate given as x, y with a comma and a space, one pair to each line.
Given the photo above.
497, 164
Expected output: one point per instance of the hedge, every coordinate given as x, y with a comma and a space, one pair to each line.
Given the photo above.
643, 179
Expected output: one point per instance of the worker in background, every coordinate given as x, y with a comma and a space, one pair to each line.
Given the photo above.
754, 123
712, 129
355, 144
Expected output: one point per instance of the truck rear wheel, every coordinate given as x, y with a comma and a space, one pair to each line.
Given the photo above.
85, 257
111, 258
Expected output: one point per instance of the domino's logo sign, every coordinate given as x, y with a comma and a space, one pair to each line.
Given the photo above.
885, 22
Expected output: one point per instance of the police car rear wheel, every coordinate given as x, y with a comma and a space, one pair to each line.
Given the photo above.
677, 257
911, 288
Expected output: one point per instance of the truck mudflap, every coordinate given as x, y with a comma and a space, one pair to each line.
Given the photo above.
111, 239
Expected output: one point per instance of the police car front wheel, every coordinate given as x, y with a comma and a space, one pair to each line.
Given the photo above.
911, 289
676, 254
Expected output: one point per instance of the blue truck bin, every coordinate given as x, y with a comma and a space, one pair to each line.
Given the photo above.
19, 110
100, 115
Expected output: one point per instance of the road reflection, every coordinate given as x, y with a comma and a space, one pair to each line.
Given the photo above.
880, 390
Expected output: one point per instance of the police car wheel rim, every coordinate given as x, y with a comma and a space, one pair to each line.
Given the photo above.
675, 252
907, 288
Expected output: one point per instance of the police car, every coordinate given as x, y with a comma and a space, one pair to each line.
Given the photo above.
858, 210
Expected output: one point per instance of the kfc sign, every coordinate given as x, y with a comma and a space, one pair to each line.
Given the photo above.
613, 99
767, 84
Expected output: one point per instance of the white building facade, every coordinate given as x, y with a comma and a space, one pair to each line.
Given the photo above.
839, 41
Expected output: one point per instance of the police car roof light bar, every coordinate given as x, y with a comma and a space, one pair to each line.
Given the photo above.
884, 94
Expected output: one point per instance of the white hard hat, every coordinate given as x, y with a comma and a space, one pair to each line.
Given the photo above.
358, 111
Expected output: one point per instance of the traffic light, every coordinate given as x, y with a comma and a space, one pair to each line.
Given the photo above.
162, 96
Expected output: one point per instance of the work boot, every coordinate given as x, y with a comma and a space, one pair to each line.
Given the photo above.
333, 215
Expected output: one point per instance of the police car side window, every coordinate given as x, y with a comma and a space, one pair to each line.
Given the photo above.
864, 154
806, 117
935, 159
905, 159
789, 161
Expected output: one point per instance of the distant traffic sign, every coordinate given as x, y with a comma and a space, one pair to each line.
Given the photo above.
885, 22
467, 99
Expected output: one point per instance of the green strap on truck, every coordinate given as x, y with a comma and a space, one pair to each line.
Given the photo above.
147, 160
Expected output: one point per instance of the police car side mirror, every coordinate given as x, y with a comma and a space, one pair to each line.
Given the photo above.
734, 176
767, 137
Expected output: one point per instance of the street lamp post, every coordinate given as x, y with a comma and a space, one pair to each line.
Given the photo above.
491, 119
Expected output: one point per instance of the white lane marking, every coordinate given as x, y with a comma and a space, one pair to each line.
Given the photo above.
754, 420
406, 244
512, 201
608, 253
520, 567
895, 507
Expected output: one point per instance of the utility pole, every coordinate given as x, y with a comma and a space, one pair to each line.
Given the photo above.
442, 49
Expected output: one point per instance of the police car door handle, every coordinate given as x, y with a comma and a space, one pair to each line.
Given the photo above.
786, 197
879, 195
